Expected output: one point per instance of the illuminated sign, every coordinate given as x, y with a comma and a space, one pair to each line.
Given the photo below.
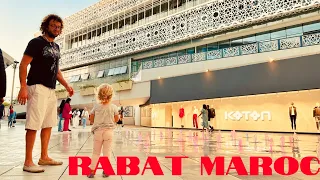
247, 115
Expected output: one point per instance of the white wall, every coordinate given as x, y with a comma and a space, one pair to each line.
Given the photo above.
139, 94
199, 67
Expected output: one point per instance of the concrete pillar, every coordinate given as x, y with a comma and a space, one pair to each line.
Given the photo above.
137, 116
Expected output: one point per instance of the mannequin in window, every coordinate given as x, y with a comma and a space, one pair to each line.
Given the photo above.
195, 117
293, 116
316, 115
181, 114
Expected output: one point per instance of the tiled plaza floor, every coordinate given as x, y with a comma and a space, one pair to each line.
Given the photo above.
142, 142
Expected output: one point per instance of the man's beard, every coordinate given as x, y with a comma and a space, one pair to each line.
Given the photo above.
51, 35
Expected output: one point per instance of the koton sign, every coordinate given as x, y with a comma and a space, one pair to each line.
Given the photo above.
268, 166
238, 115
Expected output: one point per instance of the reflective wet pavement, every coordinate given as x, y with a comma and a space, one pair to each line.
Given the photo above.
142, 142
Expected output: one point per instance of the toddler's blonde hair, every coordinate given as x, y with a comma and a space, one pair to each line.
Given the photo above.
105, 93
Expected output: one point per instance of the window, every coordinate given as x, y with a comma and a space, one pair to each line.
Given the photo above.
202, 49
76, 78
213, 46
191, 51
249, 40
263, 37
71, 79
109, 27
278, 35
148, 12
134, 19
311, 27
117, 71
224, 44
164, 7
111, 72
121, 23
127, 21
295, 31
123, 69
100, 74
141, 16
156, 10
85, 76
181, 53
236, 42
173, 54
104, 29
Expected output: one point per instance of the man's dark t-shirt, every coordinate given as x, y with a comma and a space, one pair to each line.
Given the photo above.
45, 62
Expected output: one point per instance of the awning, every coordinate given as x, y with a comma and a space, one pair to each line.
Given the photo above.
8, 60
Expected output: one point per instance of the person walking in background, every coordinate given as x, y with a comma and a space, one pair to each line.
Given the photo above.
11, 117
204, 113
210, 116
121, 116
76, 118
60, 109
42, 54
85, 117
104, 115
66, 115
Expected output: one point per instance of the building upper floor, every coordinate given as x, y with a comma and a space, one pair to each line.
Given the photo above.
200, 19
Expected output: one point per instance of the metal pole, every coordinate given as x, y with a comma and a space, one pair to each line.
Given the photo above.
14, 75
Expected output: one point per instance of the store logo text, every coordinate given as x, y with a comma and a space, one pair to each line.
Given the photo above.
237, 115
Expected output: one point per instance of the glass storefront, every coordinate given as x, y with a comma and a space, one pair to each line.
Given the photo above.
264, 112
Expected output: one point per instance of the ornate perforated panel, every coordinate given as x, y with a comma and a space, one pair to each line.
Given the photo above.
97, 13
215, 16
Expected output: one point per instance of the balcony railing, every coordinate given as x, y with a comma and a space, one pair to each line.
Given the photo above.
253, 48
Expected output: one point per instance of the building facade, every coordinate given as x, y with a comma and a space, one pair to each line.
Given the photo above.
162, 56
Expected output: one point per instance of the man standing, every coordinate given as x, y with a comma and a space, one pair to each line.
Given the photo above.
43, 54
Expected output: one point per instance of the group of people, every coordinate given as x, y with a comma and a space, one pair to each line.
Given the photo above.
67, 117
207, 115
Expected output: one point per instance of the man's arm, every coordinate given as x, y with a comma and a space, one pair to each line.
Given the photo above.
23, 93
26, 60
64, 83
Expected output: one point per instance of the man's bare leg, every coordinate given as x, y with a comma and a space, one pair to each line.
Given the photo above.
45, 137
45, 159
30, 139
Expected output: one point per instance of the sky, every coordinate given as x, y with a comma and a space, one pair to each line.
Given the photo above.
20, 20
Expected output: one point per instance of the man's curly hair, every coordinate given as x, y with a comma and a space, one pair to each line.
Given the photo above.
46, 20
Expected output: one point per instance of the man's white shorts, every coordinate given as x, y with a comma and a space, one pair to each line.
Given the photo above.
41, 107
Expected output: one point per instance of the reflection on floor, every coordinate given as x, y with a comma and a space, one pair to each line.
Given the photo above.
142, 142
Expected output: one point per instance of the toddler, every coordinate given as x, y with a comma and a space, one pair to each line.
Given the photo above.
104, 116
